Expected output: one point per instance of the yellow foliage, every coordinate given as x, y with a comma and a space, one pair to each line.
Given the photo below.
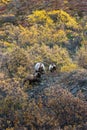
40, 17
48, 55
59, 55
64, 18
29, 36
47, 28
47, 23
65, 2
84, 43
60, 36
69, 67
5, 1
7, 44
82, 57
9, 128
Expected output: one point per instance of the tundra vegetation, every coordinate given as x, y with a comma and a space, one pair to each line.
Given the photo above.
59, 100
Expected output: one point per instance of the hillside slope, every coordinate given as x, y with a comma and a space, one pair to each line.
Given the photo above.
25, 6
47, 31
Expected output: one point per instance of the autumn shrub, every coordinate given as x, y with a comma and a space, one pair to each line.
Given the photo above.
49, 27
82, 57
69, 67
40, 17
44, 29
53, 107
77, 127
12, 33
57, 55
59, 109
17, 63
41, 35
53, 17
16, 36
20, 62
29, 36
68, 109
59, 29
44, 38
61, 57
5, 1
64, 19
12, 100
9, 128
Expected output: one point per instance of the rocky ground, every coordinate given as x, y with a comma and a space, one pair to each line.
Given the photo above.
75, 82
